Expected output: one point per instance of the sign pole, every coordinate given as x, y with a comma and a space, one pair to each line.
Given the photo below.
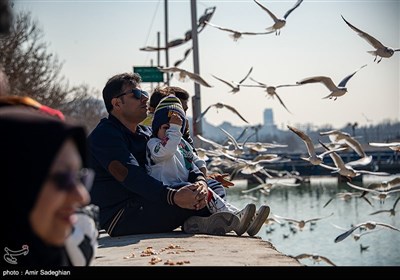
196, 104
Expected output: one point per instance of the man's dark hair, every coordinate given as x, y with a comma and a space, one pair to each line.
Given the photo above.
114, 86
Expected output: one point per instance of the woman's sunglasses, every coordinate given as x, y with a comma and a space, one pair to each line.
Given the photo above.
137, 93
67, 181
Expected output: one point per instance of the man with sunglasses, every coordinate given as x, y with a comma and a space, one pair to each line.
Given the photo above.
130, 200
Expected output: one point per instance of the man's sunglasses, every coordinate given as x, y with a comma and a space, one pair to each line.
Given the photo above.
137, 93
67, 181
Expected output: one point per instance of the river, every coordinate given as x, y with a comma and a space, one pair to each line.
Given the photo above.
380, 247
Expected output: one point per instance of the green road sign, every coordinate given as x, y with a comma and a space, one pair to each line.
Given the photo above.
149, 74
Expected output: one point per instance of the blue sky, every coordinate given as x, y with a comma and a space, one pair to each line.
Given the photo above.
97, 39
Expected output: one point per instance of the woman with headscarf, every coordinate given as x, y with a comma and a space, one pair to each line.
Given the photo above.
45, 181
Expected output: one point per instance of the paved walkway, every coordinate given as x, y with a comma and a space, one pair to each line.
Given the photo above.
181, 249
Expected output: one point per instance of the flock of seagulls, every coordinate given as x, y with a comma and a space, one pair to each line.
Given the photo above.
230, 153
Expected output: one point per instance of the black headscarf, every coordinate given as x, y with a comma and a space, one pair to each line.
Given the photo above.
29, 142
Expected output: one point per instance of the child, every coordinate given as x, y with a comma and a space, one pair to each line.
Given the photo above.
171, 160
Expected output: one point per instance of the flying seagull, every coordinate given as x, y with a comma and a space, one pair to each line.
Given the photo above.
279, 22
368, 225
339, 137
183, 74
313, 158
220, 106
379, 195
315, 258
380, 49
237, 34
336, 91
345, 170
271, 90
235, 88
395, 146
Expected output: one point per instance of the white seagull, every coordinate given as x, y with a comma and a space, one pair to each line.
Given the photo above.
302, 223
395, 146
344, 169
336, 91
347, 196
271, 90
220, 106
368, 225
315, 258
237, 34
278, 22
235, 88
391, 211
313, 158
183, 74
379, 195
339, 137
380, 49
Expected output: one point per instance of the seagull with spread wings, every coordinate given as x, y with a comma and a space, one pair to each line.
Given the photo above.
367, 225
356, 236
235, 86
379, 195
183, 74
271, 90
339, 137
302, 223
313, 158
344, 169
220, 106
395, 146
336, 90
237, 34
278, 22
380, 49
315, 258
391, 211
347, 196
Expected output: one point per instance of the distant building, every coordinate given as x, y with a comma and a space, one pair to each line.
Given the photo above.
269, 127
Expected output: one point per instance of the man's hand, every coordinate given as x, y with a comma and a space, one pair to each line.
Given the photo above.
191, 197
221, 178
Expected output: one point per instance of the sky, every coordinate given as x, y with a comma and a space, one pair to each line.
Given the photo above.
97, 39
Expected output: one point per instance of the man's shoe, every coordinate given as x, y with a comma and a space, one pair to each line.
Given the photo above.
258, 220
245, 217
217, 224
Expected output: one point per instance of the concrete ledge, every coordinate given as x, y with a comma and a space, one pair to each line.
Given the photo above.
181, 249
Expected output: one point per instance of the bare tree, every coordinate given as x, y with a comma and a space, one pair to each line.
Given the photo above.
84, 106
33, 71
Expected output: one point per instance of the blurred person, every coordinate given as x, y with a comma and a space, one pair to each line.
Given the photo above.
81, 244
46, 183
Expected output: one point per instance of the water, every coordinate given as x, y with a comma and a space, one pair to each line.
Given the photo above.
307, 201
